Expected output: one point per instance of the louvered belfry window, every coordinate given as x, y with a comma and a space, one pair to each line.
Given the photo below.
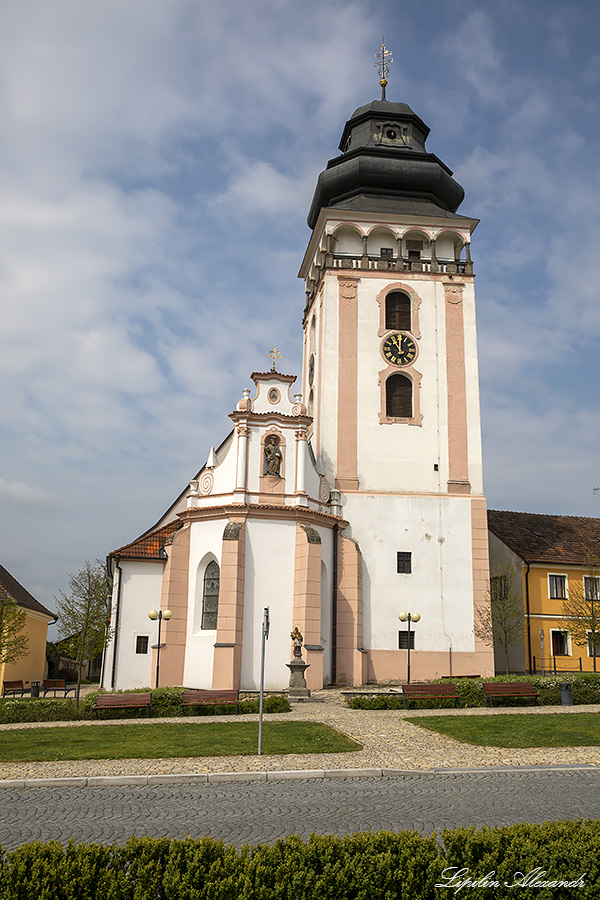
398, 397
210, 597
397, 312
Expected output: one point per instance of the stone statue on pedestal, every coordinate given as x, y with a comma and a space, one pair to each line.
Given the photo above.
297, 689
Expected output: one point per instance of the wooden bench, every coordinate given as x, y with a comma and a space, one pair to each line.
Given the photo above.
499, 690
429, 692
210, 698
13, 687
56, 684
123, 701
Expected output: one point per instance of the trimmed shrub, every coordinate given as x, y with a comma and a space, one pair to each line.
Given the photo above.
586, 689
27, 709
166, 703
365, 866
390, 701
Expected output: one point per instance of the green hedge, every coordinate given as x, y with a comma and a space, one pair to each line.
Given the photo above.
166, 702
373, 866
586, 689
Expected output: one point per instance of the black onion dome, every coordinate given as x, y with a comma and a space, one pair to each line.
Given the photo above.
384, 167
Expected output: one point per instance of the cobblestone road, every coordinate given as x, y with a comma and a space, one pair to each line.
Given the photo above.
259, 812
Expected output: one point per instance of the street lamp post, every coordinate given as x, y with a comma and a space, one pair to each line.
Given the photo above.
408, 618
155, 614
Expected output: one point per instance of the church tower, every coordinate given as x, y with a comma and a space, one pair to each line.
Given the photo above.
390, 378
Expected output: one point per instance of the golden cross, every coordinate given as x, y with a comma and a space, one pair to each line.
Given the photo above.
274, 354
384, 58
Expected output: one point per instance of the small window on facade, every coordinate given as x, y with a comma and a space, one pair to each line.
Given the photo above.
210, 597
591, 587
141, 643
560, 643
397, 312
593, 643
557, 586
403, 638
398, 397
498, 587
403, 563
387, 253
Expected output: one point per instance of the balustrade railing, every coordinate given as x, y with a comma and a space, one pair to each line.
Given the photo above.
401, 264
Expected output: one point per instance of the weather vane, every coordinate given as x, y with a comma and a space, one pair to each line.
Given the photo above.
384, 58
274, 354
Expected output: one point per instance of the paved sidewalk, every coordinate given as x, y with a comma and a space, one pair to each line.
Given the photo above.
389, 740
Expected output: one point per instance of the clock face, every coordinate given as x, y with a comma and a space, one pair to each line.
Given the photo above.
399, 349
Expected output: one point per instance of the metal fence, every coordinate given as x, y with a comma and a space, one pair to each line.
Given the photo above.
553, 665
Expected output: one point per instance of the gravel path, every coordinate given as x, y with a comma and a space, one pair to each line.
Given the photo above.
388, 738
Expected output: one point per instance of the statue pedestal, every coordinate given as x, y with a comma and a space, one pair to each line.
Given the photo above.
297, 689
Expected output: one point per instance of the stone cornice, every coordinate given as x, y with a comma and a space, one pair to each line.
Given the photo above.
299, 514
242, 415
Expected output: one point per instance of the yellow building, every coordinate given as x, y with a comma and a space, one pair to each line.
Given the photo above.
31, 667
552, 557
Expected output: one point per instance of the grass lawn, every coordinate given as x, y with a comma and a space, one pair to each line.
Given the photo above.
164, 740
551, 730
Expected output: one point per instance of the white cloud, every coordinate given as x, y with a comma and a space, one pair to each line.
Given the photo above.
156, 168
26, 495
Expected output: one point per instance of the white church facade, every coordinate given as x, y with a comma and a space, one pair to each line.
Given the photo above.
358, 493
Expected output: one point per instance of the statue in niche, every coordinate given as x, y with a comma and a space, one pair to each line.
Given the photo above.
273, 456
297, 640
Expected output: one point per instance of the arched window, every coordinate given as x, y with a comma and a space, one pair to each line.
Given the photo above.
397, 312
398, 397
210, 597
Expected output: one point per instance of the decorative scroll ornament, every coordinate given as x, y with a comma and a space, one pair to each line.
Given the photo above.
324, 489
206, 483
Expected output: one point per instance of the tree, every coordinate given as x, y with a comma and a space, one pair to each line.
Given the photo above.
84, 615
14, 645
501, 623
581, 609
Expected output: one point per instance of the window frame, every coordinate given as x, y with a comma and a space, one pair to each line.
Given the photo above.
588, 644
405, 637
596, 591
555, 575
209, 612
567, 635
403, 556
399, 378
399, 318
137, 639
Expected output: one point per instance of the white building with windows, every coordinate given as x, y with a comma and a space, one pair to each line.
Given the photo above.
360, 495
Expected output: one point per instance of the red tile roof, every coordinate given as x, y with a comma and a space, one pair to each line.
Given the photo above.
547, 539
20, 595
148, 546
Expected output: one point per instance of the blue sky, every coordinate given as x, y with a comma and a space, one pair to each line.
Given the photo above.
156, 168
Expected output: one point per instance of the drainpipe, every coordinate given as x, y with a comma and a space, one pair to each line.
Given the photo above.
528, 619
334, 605
117, 617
